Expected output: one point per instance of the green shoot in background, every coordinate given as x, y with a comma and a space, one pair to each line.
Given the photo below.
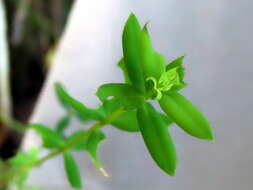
125, 106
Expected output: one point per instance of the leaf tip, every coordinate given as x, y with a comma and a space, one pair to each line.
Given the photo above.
172, 171
210, 136
104, 172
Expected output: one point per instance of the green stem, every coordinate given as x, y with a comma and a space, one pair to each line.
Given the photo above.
16, 172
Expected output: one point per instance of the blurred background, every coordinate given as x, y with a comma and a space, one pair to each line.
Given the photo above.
81, 46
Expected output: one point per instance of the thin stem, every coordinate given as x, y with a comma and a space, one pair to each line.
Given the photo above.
16, 172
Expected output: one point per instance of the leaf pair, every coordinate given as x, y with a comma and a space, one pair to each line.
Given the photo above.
90, 144
79, 142
127, 121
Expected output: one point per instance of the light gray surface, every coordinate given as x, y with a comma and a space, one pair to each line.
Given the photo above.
217, 38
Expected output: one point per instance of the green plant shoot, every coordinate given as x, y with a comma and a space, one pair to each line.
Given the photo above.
127, 107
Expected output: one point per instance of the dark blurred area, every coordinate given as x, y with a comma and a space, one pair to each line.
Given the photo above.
33, 30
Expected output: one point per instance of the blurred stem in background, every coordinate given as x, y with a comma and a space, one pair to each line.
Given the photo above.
34, 28
5, 103
29, 32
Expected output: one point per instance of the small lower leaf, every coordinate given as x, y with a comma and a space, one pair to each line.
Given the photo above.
92, 146
63, 123
72, 171
50, 138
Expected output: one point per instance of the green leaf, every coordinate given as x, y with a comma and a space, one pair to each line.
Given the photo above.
21, 159
167, 120
127, 121
75, 105
21, 181
92, 146
81, 145
131, 51
122, 66
50, 138
186, 115
169, 79
153, 64
24, 157
63, 123
160, 63
178, 63
111, 105
157, 138
61, 94
72, 171
125, 93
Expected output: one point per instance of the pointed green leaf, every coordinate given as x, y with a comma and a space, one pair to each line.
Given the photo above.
178, 63
186, 115
153, 64
160, 61
92, 146
50, 138
61, 94
63, 123
131, 51
125, 93
169, 79
75, 105
72, 171
157, 138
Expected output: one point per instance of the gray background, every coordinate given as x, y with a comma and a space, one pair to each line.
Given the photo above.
216, 37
